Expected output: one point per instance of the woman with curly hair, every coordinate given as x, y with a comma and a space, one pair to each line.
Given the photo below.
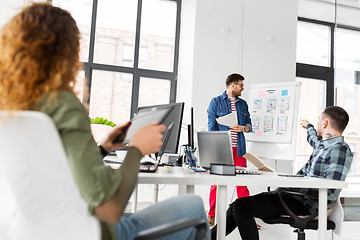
39, 62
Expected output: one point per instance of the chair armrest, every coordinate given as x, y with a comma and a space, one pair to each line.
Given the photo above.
296, 193
168, 228
299, 222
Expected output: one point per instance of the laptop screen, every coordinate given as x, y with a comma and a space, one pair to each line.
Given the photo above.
215, 147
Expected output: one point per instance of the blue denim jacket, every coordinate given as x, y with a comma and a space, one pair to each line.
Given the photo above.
221, 106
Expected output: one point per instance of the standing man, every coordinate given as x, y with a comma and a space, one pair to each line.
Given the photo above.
220, 106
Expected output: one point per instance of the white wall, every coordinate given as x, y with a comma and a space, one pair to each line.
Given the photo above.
231, 36
269, 48
9, 9
216, 52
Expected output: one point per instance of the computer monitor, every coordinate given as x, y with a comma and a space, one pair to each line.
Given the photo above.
174, 117
191, 130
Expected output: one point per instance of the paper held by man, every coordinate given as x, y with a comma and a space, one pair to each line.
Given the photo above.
229, 120
258, 163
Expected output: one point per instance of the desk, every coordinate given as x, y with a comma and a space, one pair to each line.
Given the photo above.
178, 176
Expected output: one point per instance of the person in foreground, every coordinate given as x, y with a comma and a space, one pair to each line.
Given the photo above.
39, 63
224, 104
331, 159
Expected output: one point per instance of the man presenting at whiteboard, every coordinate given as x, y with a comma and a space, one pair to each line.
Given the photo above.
230, 103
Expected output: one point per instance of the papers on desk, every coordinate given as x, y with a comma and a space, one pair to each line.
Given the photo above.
258, 163
229, 120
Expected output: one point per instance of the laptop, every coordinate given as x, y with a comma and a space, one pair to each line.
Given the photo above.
215, 147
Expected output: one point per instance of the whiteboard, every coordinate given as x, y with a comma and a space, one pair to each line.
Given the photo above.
273, 110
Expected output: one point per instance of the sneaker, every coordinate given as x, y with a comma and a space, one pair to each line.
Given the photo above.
211, 220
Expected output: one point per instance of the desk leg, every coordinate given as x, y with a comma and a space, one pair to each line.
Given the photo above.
189, 188
134, 205
156, 193
220, 218
322, 213
186, 189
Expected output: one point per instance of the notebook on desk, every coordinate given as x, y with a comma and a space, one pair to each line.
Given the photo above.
258, 163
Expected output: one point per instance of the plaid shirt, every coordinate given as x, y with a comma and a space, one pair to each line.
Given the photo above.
331, 159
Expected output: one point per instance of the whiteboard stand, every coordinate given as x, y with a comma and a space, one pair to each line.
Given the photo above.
269, 140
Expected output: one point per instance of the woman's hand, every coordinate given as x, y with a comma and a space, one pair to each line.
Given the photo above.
148, 139
108, 143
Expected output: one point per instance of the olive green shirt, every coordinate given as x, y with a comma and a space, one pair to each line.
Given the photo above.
96, 182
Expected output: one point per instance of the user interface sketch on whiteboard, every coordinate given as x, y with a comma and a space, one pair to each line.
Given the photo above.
272, 113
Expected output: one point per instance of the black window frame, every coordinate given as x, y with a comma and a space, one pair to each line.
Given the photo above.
321, 72
136, 72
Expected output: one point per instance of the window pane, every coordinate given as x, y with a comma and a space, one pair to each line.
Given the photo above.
115, 28
154, 91
347, 89
347, 54
313, 44
312, 103
110, 99
128, 56
158, 25
81, 11
79, 85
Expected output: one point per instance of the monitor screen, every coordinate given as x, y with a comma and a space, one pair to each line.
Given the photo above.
174, 117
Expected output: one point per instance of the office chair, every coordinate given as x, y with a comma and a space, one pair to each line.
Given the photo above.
48, 204
300, 223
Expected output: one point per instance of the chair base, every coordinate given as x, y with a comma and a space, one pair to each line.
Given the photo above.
301, 234
311, 225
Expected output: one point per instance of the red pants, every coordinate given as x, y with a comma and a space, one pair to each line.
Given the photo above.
242, 191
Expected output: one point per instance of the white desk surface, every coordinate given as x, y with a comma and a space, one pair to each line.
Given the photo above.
177, 175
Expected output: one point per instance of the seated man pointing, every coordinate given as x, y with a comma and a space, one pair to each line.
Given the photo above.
331, 159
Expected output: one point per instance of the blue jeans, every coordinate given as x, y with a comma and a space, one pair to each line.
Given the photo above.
182, 206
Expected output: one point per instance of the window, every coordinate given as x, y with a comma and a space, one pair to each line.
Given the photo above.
152, 91
130, 53
313, 44
158, 34
309, 96
81, 12
328, 62
347, 67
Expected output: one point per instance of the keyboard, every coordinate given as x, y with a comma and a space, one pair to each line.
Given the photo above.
245, 171
148, 167
115, 162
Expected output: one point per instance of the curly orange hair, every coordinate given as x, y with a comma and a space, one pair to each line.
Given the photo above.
39, 56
